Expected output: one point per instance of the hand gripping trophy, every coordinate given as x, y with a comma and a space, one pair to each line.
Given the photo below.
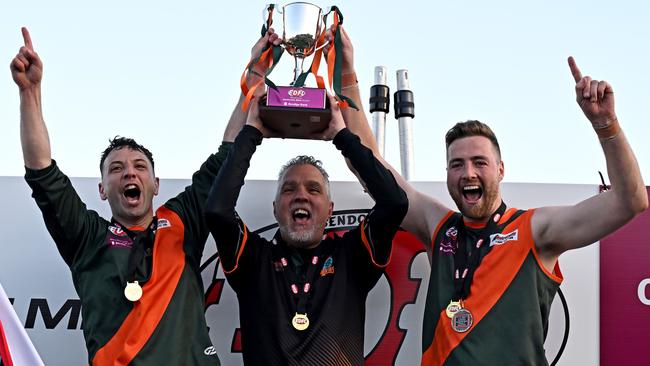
297, 111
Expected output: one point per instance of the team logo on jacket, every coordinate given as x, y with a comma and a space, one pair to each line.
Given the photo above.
117, 238
449, 242
116, 230
328, 267
499, 239
163, 223
394, 292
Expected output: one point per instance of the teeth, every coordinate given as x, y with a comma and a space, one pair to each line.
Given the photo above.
130, 186
469, 188
300, 211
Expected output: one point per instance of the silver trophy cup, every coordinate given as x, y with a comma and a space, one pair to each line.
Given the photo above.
296, 111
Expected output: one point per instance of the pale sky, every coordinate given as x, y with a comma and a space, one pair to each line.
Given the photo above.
167, 73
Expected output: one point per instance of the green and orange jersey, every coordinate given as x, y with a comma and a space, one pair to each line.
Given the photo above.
510, 298
167, 325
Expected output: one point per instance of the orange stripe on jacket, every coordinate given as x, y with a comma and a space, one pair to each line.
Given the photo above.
139, 325
492, 278
242, 245
366, 243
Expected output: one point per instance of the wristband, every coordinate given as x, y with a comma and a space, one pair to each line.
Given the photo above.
608, 132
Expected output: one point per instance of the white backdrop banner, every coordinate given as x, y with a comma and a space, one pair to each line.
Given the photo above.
39, 285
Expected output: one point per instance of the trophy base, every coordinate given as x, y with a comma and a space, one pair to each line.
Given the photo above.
297, 123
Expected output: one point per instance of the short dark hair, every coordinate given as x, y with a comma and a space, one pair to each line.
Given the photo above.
119, 142
472, 128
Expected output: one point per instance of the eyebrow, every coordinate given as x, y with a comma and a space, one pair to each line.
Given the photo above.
471, 158
115, 162
306, 183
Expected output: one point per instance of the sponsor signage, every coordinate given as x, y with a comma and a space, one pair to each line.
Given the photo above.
40, 287
625, 294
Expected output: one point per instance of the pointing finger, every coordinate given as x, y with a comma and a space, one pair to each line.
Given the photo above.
27, 38
575, 71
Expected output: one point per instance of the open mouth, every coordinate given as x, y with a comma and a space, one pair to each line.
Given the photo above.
472, 193
132, 193
300, 215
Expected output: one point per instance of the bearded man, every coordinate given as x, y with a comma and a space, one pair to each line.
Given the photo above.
302, 294
494, 269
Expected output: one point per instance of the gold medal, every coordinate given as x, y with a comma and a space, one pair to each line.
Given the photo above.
133, 291
452, 308
300, 321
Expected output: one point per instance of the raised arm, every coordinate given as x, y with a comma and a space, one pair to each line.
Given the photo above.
424, 212
227, 229
238, 116
558, 229
191, 202
27, 72
391, 204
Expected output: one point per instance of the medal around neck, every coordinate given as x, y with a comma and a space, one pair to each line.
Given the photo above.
133, 291
462, 320
453, 308
300, 321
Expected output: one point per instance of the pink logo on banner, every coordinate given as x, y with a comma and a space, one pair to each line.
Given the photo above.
625, 294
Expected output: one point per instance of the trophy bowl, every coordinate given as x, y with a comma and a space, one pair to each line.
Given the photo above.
295, 111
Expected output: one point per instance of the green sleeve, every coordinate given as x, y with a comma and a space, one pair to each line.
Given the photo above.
72, 226
190, 203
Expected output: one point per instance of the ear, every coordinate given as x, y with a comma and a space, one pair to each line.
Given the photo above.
331, 210
275, 213
157, 184
501, 170
102, 194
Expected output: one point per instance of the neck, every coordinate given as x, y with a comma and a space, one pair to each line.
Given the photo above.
142, 222
481, 221
301, 244
475, 221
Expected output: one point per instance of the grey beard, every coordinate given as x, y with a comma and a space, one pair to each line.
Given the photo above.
299, 238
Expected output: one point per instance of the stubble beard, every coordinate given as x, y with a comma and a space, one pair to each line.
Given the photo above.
483, 209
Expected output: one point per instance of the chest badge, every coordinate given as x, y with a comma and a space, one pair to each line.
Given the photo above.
328, 267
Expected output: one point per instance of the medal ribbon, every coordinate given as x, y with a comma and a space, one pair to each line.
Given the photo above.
333, 62
465, 264
141, 240
269, 57
300, 292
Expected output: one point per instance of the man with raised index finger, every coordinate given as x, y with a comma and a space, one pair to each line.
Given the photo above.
494, 269
137, 275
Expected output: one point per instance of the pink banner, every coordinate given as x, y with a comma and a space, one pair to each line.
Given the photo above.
625, 294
